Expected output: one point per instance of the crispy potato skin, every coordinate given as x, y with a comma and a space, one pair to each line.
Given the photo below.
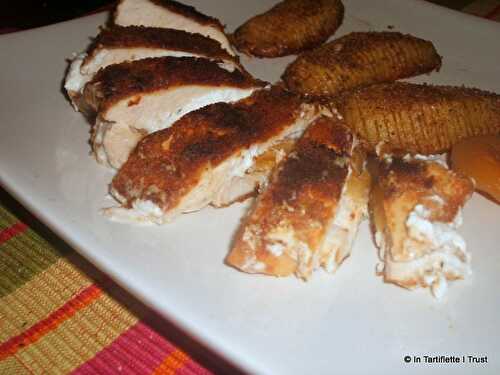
360, 59
420, 119
290, 27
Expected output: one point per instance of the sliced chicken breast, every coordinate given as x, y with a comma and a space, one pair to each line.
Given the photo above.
170, 14
204, 155
415, 208
133, 99
309, 214
118, 44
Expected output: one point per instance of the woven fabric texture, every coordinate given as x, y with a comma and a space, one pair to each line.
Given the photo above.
56, 318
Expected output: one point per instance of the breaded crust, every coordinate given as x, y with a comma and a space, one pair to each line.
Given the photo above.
167, 164
291, 26
416, 179
120, 81
421, 119
415, 210
189, 12
157, 38
293, 214
360, 59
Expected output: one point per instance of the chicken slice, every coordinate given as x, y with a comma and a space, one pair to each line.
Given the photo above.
133, 99
172, 15
204, 155
118, 44
415, 208
309, 214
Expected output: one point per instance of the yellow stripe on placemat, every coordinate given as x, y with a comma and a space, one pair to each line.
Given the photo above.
53, 318
77, 339
13, 366
39, 297
59, 340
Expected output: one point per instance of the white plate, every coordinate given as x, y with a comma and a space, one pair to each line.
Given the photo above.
348, 323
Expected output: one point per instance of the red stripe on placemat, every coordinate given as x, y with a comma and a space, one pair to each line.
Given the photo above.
40, 329
15, 229
139, 350
494, 12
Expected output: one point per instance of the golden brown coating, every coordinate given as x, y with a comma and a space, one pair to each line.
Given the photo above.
120, 81
189, 12
360, 59
479, 158
284, 231
416, 118
290, 27
410, 180
157, 38
415, 208
166, 165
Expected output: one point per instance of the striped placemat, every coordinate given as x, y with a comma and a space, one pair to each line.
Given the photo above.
59, 315
56, 319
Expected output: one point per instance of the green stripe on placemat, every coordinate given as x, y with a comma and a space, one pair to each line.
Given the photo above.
22, 257
55, 319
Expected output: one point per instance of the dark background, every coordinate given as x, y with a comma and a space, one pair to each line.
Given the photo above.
26, 14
